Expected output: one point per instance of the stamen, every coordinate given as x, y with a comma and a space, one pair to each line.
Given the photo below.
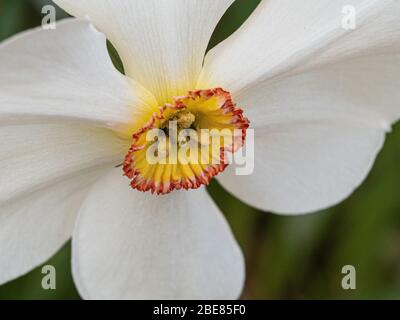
184, 119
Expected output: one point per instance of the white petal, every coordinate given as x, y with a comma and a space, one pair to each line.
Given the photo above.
64, 74
130, 245
318, 133
161, 42
320, 97
34, 156
306, 166
364, 90
288, 36
34, 228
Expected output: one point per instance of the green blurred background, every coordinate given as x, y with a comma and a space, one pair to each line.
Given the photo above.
287, 257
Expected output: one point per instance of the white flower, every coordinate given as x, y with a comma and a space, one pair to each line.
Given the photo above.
319, 96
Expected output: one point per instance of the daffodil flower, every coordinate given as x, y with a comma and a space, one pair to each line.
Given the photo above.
320, 98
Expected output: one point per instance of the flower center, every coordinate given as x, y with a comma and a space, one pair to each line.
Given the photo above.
184, 120
186, 143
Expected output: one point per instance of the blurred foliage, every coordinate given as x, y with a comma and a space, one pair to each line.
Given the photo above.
287, 257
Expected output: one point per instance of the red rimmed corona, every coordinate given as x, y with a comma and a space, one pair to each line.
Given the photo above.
207, 113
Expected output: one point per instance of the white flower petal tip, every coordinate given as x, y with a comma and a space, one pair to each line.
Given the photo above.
34, 227
297, 37
129, 245
67, 76
306, 167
